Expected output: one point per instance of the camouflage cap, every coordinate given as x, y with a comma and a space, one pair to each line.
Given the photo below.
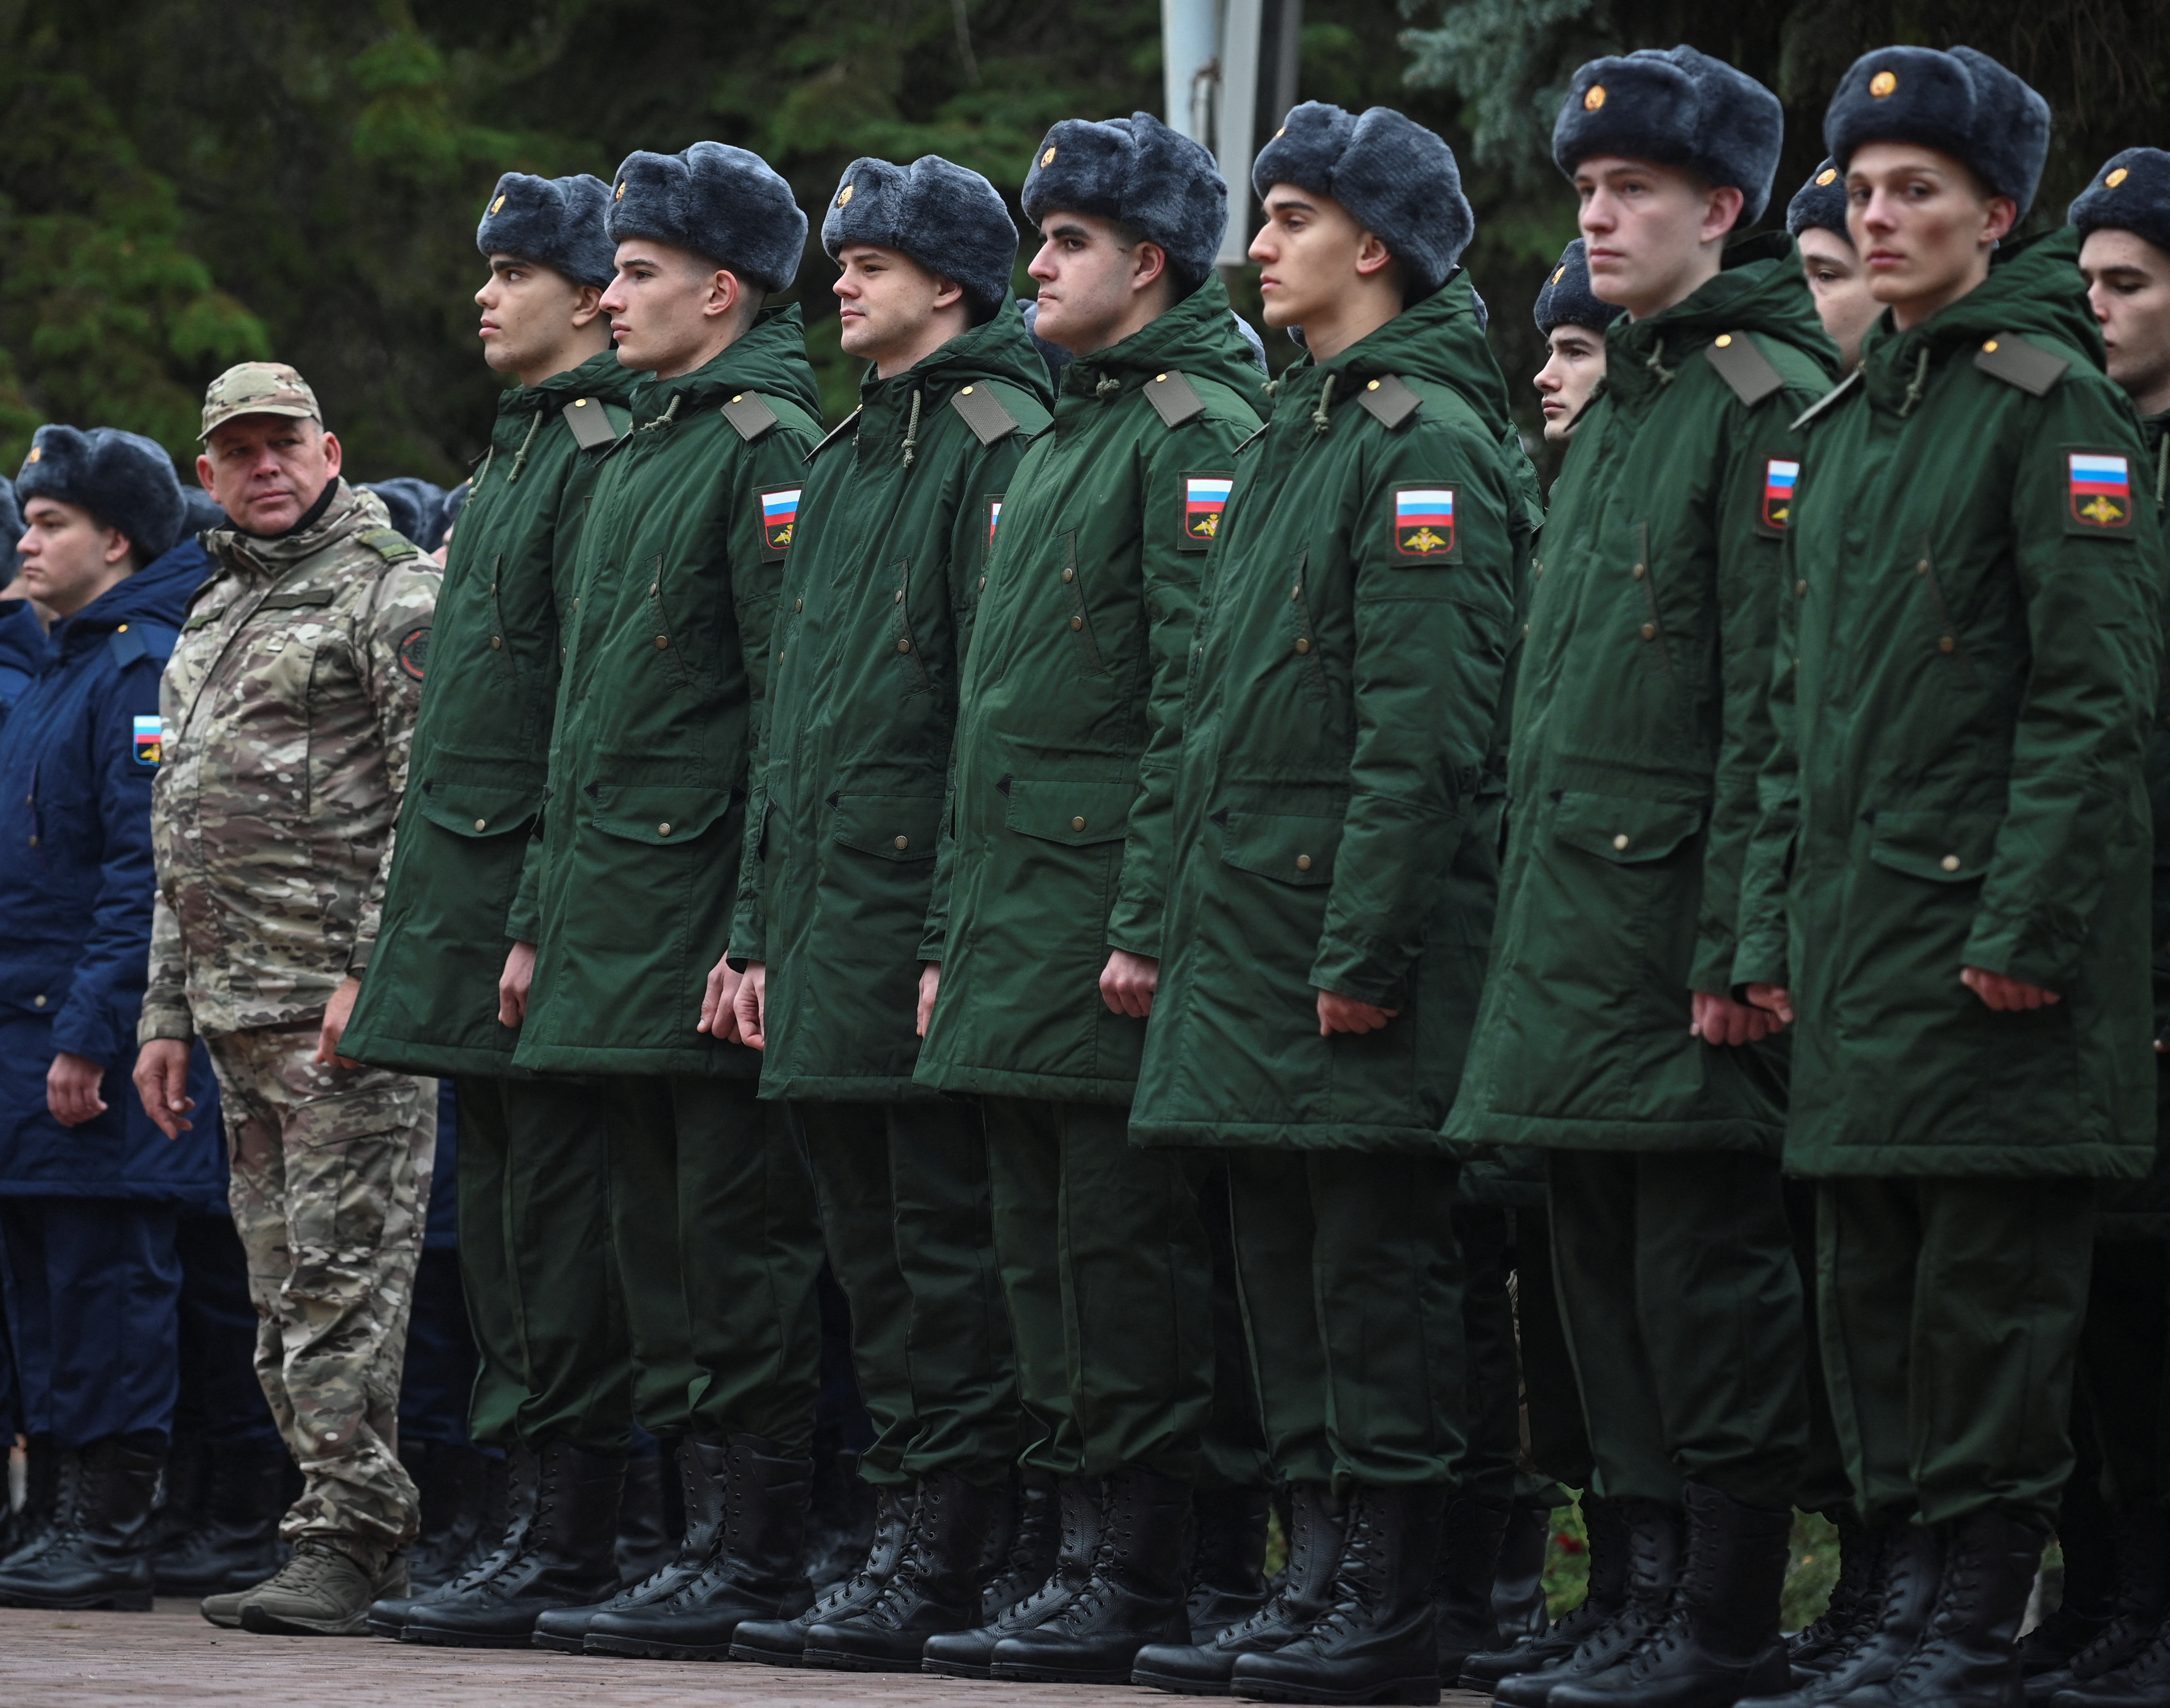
257, 389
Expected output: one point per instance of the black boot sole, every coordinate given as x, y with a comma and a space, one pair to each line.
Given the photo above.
386, 1628
1410, 1692
648, 1649
956, 1669
434, 1636
768, 1657
558, 1645
114, 1600
1030, 1672
1179, 1687
838, 1661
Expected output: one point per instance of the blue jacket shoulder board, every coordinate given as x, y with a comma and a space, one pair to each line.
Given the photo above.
142, 640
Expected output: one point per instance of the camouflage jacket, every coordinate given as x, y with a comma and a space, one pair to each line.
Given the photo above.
287, 709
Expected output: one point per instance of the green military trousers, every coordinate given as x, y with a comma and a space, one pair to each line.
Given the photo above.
535, 1260
1552, 1398
908, 1221
1108, 1280
1681, 1303
717, 1244
1950, 1316
1825, 1485
2124, 1366
1233, 1452
1490, 1467
1352, 1292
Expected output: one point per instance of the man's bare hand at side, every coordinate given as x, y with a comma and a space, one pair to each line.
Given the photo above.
720, 1016
162, 1081
749, 1006
1128, 982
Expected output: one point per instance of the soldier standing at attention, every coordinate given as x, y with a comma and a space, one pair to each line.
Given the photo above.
1573, 321
553, 1385
1609, 1033
714, 1234
897, 515
1950, 886
288, 707
1045, 941
1838, 279
1336, 835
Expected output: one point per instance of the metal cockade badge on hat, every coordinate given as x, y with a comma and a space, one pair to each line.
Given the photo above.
1048, 159
2115, 179
844, 195
620, 194
498, 205
1883, 84
1594, 97
1826, 175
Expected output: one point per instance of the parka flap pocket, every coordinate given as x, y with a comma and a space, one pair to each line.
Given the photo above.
1945, 848
663, 814
1627, 832
894, 826
1075, 813
1281, 846
477, 809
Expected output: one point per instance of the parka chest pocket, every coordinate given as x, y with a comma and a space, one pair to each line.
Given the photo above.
1624, 831
475, 811
280, 649
659, 815
1078, 814
1943, 848
889, 826
1286, 848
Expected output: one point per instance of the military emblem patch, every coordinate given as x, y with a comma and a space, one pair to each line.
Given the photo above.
1779, 475
150, 741
1205, 497
2098, 485
1423, 522
414, 651
779, 520
994, 521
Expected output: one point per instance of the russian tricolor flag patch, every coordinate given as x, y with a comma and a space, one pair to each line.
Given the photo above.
2099, 484
1778, 478
1204, 496
1423, 522
779, 518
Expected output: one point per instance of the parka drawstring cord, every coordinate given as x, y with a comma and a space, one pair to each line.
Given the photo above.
1106, 386
1322, 418
1655, 363
1272, 387
481, 475
535, 426
2162, 471
912, 427
1921, 382
669, 410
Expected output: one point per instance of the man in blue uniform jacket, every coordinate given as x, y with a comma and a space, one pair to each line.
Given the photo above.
90, 1191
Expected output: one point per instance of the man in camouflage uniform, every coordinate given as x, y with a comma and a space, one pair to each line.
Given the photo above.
287, 708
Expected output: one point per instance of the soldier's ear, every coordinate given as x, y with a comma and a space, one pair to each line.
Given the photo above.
334, 457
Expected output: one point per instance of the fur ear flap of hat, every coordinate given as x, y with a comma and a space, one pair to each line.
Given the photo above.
726, 205
1675, 107
1141, 174
1820, 204
948, 219
2131, 193
1963, 103
559, 222
1398, 179
124, 480
1566, 298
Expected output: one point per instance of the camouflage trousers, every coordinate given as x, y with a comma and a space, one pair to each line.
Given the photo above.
331, 1183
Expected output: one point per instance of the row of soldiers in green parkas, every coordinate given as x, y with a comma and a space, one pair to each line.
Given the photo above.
990, 726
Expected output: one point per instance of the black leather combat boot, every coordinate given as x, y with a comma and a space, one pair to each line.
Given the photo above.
645, 1542
1909, 1560
1462, 1584
1655, 1535
1818, 1645
2143, 1597
2142, 1682
1379, 1640
971, 1654
564, 1557
1606, 1594
782, 1642
1227, 1560
1968, 1653
1022, 1557
49, 1476
453, 1481
1518, 1583
1302, 1594
755, 1569
235, 1541
514, 1492
97, 1552
935, 1588
565, 1628
2086, 1535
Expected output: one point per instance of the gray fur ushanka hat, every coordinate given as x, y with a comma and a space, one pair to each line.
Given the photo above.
725, 204
124, 480
2131, 193
1820, 204
1566, 299
1396, 178
559, 222
1141, 174
948, 219
1963, 103
1675, 107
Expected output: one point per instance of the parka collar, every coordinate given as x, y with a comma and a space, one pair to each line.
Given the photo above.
1438, 339
999, 349
1197, 335
1759, 288
353, 509
771, 358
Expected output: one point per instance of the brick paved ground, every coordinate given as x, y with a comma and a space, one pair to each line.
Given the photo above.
110, 1660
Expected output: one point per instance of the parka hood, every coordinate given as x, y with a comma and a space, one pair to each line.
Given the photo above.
1440, 339
1197, 335
603, 375
1759, 288
771, 358
999, 349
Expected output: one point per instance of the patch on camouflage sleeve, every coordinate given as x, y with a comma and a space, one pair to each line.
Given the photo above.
1424, 523
1780, 474
150, 741
414, 651
2097, 492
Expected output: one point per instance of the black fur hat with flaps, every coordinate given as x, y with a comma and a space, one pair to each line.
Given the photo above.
1141, 174
1820, 204
1675, 107
1398, 179
726, 205
948, 219
124, 480
1960, 103
2131, 193
1566, 299
559, 222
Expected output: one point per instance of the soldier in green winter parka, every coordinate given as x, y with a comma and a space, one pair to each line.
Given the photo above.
553, 1373
1046, 928
1949, 886
1609, 1032
715, 1240
896, 515
1336, 835
2114, 1649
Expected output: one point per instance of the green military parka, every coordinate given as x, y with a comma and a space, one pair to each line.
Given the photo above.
1640, 727
900, 507
482, 741
674, 597
1068, 731
1968, 672
1337, 809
